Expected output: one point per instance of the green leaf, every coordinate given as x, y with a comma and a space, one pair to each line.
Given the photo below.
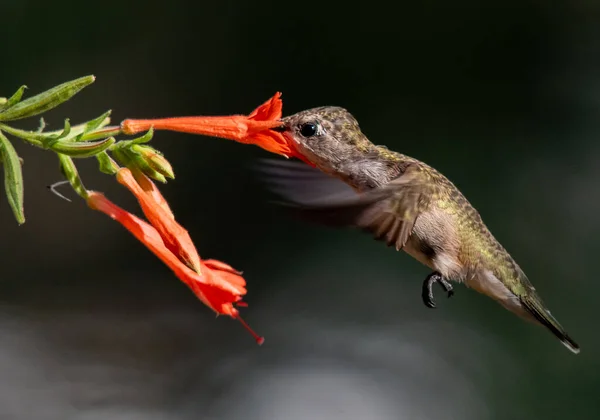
13, 178
46, 100
15, 98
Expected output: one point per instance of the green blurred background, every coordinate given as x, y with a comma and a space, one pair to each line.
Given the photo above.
502, 97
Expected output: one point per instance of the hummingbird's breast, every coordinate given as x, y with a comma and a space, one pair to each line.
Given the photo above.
448, 235
435, 242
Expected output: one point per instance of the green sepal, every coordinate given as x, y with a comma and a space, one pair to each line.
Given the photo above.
82, 149
53, 138
13, 178
95, 124
106, 164
112, 131
13, 99
145, 138
126, 144
46, 100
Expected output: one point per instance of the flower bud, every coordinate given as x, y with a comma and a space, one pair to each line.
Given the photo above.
134, 153
134, 160
155, 159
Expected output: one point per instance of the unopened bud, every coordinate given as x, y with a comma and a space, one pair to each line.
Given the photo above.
155, 159
134, 160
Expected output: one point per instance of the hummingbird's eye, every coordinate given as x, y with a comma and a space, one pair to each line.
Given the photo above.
308, 129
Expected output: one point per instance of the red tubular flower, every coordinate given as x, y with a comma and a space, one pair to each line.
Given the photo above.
252, 129
215, 283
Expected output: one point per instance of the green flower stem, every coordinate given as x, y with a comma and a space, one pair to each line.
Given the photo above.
70, 172
48, 139
31, 137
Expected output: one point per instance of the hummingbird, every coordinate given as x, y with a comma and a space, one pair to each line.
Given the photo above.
348, 181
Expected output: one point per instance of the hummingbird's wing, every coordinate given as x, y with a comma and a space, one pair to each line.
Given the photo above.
296, 182
388, 212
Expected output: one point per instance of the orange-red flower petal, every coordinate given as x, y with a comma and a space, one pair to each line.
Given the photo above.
151, 238
271, 110
215, 283
252, 129
175, 237
150, 188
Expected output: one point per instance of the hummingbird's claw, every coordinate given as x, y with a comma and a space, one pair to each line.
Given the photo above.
427, 291
447, 286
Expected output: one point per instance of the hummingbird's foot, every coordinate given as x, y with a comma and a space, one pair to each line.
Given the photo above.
427, 292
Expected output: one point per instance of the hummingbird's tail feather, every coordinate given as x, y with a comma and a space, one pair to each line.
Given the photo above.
535, 307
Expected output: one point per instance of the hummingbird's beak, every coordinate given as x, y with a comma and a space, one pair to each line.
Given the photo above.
280, 129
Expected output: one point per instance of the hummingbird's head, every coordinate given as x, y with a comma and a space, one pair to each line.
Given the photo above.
325, 135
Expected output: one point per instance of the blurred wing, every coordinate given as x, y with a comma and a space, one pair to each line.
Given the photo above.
296, 182
388, 212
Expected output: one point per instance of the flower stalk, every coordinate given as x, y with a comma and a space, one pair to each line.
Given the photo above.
135, 164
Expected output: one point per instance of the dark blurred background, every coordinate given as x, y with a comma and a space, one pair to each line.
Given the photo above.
503, 97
